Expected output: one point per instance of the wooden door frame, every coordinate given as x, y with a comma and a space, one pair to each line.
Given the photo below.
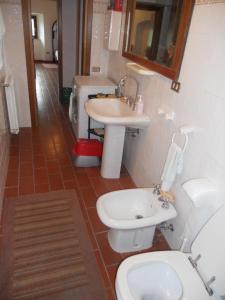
87, 36
86, 49
26, 14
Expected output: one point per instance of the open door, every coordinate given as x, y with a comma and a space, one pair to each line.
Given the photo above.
86, 35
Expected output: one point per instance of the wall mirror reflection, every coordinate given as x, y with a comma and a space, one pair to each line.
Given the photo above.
155, 33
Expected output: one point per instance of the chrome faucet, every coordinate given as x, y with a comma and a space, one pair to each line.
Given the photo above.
119, 89
157, 189
165, 202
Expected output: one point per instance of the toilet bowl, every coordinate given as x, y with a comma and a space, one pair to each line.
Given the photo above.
132, 216
168, 275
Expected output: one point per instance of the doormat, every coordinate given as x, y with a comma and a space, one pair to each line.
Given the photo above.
46, 253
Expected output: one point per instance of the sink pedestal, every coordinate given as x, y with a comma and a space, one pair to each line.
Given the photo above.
112, 151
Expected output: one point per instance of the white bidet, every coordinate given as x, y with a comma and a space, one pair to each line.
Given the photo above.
132, 216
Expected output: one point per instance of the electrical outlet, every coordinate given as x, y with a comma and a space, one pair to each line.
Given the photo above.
96, 69
175, 86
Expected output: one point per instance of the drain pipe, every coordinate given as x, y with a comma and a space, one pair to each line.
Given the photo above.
166, 226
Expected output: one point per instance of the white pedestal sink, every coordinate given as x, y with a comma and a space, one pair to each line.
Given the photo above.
116, 115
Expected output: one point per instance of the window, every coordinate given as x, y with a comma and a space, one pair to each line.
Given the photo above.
34, 27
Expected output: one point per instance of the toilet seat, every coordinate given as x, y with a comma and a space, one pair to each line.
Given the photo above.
203, 267
193, 288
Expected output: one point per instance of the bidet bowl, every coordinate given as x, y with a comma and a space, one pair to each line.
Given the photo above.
133, 208
149, 280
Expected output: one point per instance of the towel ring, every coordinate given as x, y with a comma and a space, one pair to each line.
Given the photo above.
185, 143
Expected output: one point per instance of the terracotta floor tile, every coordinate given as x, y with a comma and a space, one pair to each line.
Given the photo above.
110, 257
12, 178
93, 172
113, 184
26, 180
112, 270
40, 176
110, 294
39, 161
91, 236
126, 183
83, 180
42, 188
13, 163
26, 169
70, 184
67, 173
78, 170
53, 167
99, 186
102, 268
26, 156
25, 189
89, 197
97, 225
11, 192
14, 151
55, 182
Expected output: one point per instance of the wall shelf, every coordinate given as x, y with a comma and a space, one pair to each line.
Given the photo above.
139, 69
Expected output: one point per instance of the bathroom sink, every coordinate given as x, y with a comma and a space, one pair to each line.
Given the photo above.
116, 116
113, 111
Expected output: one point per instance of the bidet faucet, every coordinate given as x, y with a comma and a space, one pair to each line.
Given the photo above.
157, 189
165, 202
121, 84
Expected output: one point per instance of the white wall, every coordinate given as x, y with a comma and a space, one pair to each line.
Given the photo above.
47, 15
200, 103
15, 59
99, 55
70, 24
39, 43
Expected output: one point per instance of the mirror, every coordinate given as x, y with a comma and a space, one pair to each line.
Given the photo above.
156, 32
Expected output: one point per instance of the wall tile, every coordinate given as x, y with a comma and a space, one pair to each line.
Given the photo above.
200, 103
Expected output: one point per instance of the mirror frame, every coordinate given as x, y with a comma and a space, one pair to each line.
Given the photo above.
173, 70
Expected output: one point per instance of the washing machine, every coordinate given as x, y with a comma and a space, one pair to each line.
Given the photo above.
84, 86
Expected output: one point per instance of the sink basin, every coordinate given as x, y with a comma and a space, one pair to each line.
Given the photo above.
116, 116
114, 111
143, 280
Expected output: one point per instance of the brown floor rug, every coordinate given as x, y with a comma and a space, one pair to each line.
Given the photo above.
46, 253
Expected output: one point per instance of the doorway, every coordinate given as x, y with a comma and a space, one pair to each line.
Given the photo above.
54, 55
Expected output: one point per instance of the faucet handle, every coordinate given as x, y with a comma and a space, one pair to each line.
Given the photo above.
157, 189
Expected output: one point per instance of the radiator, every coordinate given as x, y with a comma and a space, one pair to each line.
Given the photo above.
11, 104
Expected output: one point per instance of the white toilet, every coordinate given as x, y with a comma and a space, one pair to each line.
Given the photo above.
171, 275
132, 216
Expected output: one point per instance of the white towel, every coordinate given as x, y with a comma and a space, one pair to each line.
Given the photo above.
172, 167
11, 105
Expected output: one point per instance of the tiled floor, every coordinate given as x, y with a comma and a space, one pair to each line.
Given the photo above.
40, 162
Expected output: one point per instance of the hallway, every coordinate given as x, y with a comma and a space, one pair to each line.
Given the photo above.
40, 161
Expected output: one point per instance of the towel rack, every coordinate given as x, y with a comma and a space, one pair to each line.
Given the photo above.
184, 130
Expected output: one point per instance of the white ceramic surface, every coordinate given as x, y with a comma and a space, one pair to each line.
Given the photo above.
162, 282
132, 216
179, 266
133, 279
120, 209
115, 112
116, 115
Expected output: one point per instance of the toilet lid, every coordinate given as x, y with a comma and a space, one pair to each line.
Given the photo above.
210, 243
